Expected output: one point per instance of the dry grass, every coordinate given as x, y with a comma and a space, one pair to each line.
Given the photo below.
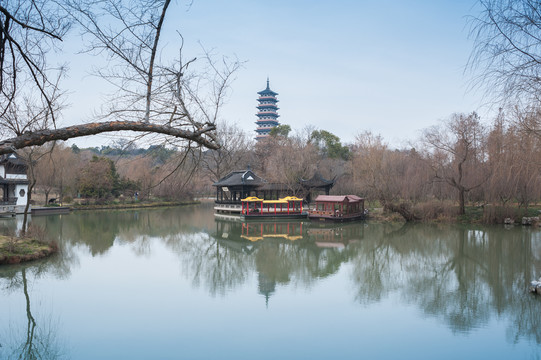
14, 250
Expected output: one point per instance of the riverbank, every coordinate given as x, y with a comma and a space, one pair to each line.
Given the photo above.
134, 205
16, 250
449, 214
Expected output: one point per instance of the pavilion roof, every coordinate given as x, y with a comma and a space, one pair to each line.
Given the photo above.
12, 158
317, 181
240, 177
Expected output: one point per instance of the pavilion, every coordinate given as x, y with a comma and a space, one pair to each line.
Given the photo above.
240, 184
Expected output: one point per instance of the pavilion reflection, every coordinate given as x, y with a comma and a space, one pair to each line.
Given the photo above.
286, 252
313, 234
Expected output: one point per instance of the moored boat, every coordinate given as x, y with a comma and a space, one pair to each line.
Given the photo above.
337, 208
289, 207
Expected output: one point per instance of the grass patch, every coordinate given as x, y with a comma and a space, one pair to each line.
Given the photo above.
473, 215
14, 250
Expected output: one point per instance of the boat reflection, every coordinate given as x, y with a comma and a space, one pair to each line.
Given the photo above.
335, 236
284, 230
321, 235
285, 252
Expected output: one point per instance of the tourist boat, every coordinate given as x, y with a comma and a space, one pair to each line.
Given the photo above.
289, 207
337, 208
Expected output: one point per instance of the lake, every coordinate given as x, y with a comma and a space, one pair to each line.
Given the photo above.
176, 283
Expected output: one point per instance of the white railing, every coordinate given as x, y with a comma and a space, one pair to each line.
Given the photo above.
16, 176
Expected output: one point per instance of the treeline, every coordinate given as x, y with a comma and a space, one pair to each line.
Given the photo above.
462, 163
491, 168
124, 148
110, 173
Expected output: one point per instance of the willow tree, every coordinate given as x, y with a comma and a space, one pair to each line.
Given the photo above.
506, 56
151, 97
507, 48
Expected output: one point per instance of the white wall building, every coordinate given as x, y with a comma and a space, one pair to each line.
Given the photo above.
13, 184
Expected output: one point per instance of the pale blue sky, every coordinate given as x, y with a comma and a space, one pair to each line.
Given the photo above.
392, 67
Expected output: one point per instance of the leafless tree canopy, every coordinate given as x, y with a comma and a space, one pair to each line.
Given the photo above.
507, 50
29, 30
152, 96
456, 150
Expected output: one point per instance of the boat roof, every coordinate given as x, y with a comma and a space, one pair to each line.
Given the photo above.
291, 198
252, 199
338, 198
279, 201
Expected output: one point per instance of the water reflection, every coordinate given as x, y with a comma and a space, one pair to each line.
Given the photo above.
461, 275
288, 252
465, 277
36, 337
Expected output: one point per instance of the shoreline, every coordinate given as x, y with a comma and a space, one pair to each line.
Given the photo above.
132, 206
18, 250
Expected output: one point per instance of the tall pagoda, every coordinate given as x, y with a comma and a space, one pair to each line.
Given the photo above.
267, 117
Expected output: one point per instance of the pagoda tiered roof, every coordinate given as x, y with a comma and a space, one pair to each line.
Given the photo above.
267, 91
267, 105
272, 98
267, 114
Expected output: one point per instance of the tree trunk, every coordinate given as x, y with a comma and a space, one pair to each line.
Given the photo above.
47, 196
461, 200
28, 348
27, 206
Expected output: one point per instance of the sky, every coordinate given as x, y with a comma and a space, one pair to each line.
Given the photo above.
391, 67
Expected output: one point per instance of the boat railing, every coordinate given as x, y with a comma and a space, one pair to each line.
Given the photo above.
271, 211
323, 212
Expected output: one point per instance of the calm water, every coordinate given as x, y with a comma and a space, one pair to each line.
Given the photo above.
177, 284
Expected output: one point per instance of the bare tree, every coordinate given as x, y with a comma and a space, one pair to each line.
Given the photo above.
233, 153
29, 31
382, 174
282, 167
456, 151
173, 100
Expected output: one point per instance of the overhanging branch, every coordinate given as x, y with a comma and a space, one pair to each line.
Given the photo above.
43, 136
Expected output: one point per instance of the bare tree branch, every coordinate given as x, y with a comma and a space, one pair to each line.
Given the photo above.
41, 137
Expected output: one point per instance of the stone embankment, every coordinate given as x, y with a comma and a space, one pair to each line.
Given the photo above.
527, 221
535, 286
